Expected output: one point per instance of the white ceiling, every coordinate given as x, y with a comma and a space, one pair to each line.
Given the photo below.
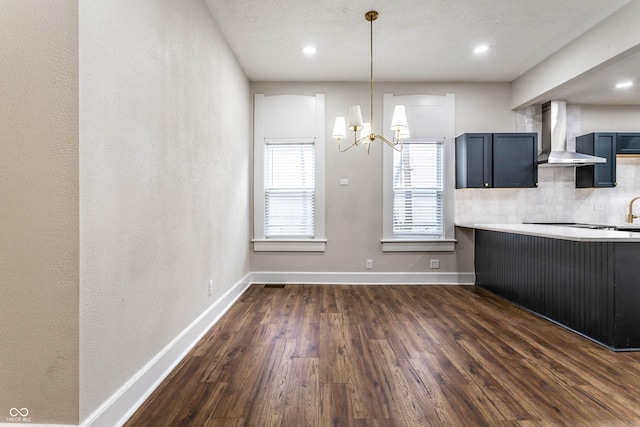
414, 40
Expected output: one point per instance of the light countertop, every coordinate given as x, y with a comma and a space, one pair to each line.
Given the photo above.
561, 232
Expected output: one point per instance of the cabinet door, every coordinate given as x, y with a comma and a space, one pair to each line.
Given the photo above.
628, 143
601, 174
515, 160
473, 160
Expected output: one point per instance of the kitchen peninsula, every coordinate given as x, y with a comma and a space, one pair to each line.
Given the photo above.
585, 279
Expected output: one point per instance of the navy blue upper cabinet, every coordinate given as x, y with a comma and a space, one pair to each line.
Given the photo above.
599, 144
497, 160
628, 143
474, 153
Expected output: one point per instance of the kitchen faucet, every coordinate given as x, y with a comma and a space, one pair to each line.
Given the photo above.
631, 216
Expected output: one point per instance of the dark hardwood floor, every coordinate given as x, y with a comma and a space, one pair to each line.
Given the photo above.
310, 355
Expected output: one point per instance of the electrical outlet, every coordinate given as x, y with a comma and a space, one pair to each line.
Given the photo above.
369, 264
598, 206
210, 287
435, 263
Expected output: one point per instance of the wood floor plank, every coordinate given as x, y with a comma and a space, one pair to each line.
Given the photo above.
334, 406
225, 422
364, 380
333, 360
434, 403
485, 372
392, 356
405, 407
302, 399
268, 401
243, 374
308, 331
167, 401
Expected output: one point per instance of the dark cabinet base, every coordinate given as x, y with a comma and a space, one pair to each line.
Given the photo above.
589, 287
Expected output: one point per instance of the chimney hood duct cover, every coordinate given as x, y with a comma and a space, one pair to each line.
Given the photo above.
554, 139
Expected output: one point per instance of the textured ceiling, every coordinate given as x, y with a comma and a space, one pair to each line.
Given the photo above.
414, 40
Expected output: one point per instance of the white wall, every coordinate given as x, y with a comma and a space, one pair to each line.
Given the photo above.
39, 243
556, 199
164, 181
354, 213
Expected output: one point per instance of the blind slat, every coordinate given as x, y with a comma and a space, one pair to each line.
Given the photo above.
418, 190
289, 189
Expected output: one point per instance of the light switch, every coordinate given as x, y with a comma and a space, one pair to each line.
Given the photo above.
344, 181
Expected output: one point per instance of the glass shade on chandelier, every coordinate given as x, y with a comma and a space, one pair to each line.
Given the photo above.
363, 133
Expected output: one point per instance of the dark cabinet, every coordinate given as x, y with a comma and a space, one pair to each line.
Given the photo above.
497, 160
474, 158
601, 174
628, 143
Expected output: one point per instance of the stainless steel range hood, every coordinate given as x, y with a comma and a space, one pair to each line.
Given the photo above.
554, 139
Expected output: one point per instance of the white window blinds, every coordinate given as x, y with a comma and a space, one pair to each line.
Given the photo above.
290, 188
418, 190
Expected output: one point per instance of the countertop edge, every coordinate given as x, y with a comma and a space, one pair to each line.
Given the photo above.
558, 232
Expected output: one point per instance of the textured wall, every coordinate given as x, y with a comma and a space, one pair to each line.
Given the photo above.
354, 213
165, 152
39, 243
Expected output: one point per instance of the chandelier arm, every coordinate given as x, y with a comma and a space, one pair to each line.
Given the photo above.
395, 145
345, 149
356, 142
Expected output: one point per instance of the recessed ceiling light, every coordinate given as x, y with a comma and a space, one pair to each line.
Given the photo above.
623, 85
481, 49
309, 50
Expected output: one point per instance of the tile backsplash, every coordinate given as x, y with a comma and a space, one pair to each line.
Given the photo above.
555, 200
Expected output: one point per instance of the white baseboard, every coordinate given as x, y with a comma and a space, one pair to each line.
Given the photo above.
119, 407
363, 278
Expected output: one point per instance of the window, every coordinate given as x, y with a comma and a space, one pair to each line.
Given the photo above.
418, 190
289, 189
418, 182
288, 173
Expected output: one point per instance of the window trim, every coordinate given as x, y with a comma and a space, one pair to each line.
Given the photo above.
420, 244
260, 243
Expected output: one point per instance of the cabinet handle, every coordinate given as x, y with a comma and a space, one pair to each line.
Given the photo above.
486, 184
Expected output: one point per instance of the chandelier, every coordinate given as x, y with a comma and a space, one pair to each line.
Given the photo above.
363, 133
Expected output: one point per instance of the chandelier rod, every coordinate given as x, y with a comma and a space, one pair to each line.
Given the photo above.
371, 16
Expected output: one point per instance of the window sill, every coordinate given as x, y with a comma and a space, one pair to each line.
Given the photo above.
440, 245
270, 245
